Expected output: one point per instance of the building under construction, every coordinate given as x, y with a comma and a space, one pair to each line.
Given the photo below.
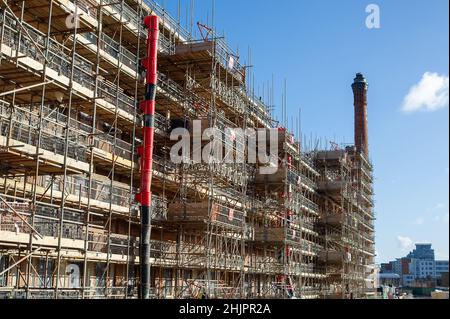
91, 204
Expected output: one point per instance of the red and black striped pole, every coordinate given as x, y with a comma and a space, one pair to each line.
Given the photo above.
146, 151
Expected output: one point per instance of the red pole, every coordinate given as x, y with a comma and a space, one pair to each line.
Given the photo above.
146, 151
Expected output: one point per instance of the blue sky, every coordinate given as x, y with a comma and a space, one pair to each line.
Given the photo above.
318, 46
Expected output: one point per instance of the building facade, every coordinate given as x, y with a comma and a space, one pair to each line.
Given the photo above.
71, 128
441, 267
418, 265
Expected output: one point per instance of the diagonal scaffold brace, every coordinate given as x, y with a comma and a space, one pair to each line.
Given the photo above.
146, 151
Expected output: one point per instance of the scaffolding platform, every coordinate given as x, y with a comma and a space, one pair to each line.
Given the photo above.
203, 213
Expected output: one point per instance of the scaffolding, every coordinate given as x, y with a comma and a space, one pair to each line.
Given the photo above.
70, 129
346, 222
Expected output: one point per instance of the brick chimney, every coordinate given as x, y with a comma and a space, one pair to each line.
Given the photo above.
360, 88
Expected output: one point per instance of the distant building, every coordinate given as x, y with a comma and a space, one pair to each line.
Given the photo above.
418, 267
441, 267
385, 268
444, 280
423, 268
422, 252
407, 280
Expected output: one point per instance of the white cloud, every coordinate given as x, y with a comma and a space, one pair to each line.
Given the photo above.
419, 221
430, 94
405, 243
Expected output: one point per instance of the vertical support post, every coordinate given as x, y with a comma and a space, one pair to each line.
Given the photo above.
146, 151
85, 292
130, 244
